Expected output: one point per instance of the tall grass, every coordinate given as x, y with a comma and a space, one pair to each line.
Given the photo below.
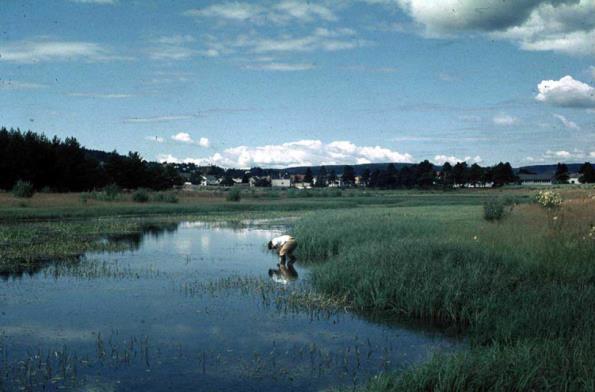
520, 290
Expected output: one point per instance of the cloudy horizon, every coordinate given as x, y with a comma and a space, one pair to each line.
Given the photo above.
290, 83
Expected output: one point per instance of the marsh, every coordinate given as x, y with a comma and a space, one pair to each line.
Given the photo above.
190, 307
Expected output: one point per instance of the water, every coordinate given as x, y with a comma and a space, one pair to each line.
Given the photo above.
190, 307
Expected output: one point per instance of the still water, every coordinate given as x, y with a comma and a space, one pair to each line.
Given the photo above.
190, 307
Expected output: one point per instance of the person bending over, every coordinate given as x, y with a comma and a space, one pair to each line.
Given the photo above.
285, 245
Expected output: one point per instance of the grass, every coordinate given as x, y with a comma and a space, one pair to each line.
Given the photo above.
522, 289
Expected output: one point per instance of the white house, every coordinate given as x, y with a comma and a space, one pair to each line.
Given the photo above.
209, 180
281, 183
573, 178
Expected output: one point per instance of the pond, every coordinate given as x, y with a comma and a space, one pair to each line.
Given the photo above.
190, 306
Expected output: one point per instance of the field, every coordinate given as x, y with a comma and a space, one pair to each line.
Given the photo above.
520, 289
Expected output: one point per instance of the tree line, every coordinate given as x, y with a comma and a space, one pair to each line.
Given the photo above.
421, 175
63, 165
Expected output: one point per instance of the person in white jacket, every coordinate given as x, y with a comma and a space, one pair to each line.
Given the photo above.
285, 245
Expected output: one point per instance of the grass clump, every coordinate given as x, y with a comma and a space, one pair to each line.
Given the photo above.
23, 189
523, 291
140, 196
165, 197
493, 209
234, 194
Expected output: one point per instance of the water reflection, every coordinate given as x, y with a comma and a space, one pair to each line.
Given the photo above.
134, 240
191, 307
283, 274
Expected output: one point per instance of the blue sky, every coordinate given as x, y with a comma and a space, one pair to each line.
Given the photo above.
285, 83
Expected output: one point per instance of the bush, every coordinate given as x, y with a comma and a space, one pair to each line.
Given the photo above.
234, 194
549, 199
111, 192
23, 189
140, 195
493, 209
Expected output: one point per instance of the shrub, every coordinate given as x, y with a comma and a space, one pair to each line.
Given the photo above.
140, 196
111, 192
549, 199
493, 209
23, 189
234, 194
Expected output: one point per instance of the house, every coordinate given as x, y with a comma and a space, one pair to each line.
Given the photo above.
281, 182
337, 183
535, 179
302, 185
573, 178
210, 180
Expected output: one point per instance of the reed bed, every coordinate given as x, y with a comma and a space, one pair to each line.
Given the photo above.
522, 289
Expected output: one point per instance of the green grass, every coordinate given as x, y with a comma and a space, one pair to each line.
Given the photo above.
519, 289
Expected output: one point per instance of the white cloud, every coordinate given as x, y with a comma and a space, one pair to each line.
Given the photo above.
565, 26
566, 92
184, 137
504, 119
566, 122
283, 67
40, 50
18, 85
442, 159
167, 158
157, 119
320, 39
104, 96
564, 155
592, 154
370, 69
300, 153
204, 142
156, 139
281, 13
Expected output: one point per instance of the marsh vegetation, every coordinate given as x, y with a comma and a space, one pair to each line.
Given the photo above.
503, 303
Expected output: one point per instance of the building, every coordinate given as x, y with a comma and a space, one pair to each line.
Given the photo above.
573, 178
209, 180
535, 179
281, 182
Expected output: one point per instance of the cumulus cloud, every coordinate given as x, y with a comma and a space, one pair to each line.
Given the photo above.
184, 137
442, 159
566, 92
504, 119
565, 26
299, 153
566, 122
43, 50
281, 13
564, 155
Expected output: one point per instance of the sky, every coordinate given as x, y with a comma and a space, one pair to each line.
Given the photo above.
292, 83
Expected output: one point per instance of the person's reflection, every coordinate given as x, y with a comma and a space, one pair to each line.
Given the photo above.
283, 274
